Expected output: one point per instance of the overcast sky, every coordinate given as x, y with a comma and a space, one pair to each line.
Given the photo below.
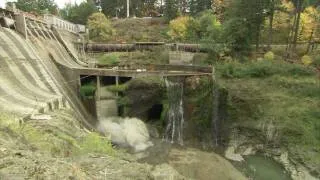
60, 3
2, 3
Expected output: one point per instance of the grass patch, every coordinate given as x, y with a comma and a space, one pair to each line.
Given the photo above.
50, 139
157, 55
110, 59
94, 143
135, 30
262, 69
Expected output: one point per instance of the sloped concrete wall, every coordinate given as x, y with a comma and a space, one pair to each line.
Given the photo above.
26, 88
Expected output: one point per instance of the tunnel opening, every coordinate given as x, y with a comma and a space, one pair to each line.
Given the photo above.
108, 80
84, 79
154, 113
123, 80
120, 110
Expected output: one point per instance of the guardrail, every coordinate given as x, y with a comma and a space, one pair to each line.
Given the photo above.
63, 24
8, 19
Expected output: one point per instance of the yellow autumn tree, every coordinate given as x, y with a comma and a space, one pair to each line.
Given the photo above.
100, 28
282, 21
283, 18
309, 24
178, 28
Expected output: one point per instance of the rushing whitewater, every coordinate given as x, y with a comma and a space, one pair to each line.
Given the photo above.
126, 132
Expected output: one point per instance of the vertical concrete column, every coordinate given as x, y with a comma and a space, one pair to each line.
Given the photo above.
98, 99
128, 8
98, 88
117, 84
21, 25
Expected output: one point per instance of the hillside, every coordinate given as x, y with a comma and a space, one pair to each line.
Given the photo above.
140, 29
275, 105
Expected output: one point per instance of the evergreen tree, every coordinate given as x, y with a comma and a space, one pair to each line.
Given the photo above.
171, 9
79, 14
197, 6
112, 8
245, 20
37, 6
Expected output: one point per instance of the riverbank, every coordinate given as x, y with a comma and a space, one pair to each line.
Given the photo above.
273, 108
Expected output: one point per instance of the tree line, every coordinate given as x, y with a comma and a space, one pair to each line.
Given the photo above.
235, 23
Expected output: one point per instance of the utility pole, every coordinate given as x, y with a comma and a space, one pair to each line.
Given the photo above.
128, 7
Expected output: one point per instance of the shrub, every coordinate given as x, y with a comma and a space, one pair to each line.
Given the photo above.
100, 28
88, 90
158, 55
306, 60
262, 69
117, 88
269, 56
316, 61
108, 59
178, 28
236, 36
210, 27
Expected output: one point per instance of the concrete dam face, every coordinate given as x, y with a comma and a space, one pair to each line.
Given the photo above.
26, 85
31, 82
39, 76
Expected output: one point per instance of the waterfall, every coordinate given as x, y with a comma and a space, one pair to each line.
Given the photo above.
175, 114
215, 110
215, 113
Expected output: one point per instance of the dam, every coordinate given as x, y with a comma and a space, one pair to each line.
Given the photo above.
39, 52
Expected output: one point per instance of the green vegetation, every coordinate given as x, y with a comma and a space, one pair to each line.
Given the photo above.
262, 69
79, 14
277, 104
94, 143
88, 90
306, 60
140, 30
109, 59
36, 6
153, 80
53, 139
316, 61
157, 55
178, 28
117, 88
100, 28
269, 56
201, 98
203, 28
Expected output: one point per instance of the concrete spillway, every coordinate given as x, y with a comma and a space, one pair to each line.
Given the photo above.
30, 82
25, 87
